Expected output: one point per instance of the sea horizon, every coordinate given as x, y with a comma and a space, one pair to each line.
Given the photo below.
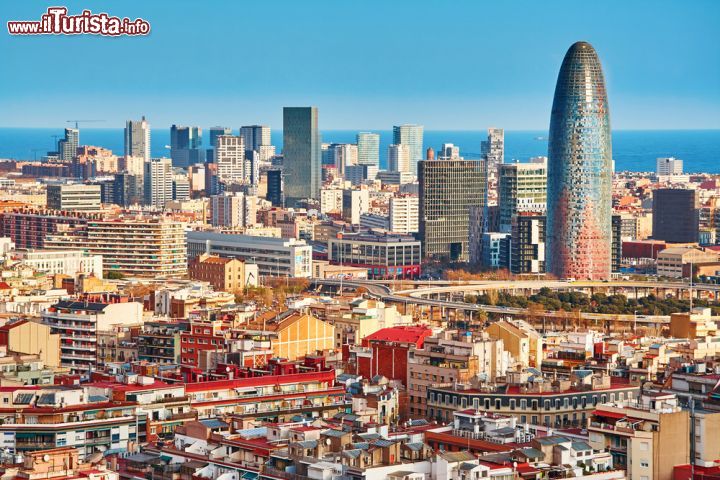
633, 149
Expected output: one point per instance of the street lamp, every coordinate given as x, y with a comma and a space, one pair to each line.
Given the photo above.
635, 320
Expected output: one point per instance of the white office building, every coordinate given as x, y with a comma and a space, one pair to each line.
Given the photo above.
355, 203
399, 158
62, 262
73, 197
273, 256
404, 213
230, 159
158, 182
669, 166
346, 154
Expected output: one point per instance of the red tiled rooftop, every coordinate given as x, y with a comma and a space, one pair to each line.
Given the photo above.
409, 334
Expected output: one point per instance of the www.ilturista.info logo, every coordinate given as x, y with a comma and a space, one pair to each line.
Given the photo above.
57, 22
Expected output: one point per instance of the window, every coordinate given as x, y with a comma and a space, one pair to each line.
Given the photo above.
644, 463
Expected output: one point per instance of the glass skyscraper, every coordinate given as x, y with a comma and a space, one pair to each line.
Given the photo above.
301, 152
449, 190
411, 135
368, 148
579, 233
255, 136
67, 147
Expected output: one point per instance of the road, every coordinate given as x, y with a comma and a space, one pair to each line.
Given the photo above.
383, 292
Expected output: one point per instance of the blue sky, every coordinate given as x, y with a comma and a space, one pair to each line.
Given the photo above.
366, 64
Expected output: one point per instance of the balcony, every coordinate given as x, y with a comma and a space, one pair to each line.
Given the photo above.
182, 416
97, 440
612, 428
34, 445
78, 356
64, 327
184, 398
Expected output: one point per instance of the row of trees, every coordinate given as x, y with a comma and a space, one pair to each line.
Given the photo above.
274, 292
547, 299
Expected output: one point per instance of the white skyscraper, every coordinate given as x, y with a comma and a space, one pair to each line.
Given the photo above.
368, 145
449, 152
346, 154
233, 210
399, 158
230, 159
494, 147
669, 166
158, 179
137, 138
411, 135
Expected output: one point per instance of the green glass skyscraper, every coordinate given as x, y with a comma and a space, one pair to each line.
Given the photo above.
368, 148
411, 135
302, 156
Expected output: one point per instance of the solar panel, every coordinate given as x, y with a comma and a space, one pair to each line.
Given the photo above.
24, 398
46, 399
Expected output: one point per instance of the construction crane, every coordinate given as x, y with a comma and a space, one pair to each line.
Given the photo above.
35, 150
76, 122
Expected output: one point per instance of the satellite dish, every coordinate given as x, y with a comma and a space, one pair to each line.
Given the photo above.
46, 458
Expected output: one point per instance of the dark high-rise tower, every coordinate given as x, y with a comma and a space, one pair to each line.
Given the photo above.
302, 155
579, 233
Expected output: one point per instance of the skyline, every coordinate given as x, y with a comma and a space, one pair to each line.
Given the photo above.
471, 85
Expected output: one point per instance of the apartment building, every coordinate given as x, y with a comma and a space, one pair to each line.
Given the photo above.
25, 336
132, 246
448, 358
78, 324
159, 341
40, 418
30, 228
275, 393
647, 436
296, 334
563, 402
